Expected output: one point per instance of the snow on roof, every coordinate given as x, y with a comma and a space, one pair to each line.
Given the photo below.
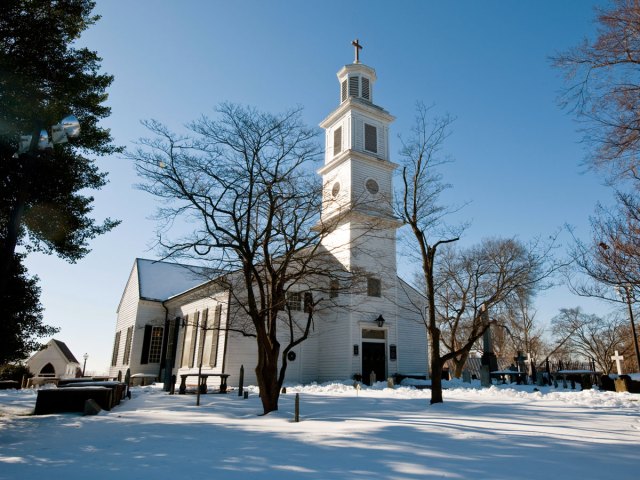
161, 280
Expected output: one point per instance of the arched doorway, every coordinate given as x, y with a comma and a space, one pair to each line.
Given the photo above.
47, 371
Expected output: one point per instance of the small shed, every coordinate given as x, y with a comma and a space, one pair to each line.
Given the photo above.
54, 360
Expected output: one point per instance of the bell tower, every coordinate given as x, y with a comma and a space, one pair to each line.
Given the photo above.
357, 175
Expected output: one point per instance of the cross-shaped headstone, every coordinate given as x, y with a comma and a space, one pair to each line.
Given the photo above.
618, 358
358, 47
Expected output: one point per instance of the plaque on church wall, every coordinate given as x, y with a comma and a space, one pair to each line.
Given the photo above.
392, 352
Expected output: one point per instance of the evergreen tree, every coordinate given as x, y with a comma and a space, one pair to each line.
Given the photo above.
21, 325
44, 77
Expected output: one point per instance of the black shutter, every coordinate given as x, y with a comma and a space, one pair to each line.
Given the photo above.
370, 138
308, 301
144, 357
343, 90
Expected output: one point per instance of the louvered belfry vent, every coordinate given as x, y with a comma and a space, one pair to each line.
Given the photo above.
366, 93
343, 91
337, 140
353, 86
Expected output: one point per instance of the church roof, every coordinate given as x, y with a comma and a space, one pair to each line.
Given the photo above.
159, 280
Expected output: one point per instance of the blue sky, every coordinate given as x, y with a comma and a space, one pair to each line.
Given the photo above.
517, 154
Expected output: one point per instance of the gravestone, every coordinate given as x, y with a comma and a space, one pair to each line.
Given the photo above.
485, 376
390, 382
241, 381
539, 379
372, 378
621, 385
618, 358
466, 376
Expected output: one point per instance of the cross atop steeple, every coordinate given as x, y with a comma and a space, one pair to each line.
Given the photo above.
358, 47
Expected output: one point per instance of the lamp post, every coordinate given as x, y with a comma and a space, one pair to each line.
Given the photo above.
84, 365
628, 297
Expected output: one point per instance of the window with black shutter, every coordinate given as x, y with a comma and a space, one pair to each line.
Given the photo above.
194, 340
334, 288
370, 138
185, 352
308, 301
337, 140
146, 343
373, 287
127, 346
116, 345
215, 337
155, 346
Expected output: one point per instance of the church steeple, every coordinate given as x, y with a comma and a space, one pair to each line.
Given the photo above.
357, 175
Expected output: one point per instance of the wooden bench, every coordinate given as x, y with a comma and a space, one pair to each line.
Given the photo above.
202, 383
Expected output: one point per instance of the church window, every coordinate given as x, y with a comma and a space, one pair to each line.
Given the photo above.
194, 340
335, 190
373, 334
215, 336
334, 288
127, 346
366, 92
373, 287
294, 301
155, 345
343, 91
353, 86
370, 138
186, 341
337, 140
116, 345
372, 186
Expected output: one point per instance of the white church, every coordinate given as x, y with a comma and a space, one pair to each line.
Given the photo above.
379, 330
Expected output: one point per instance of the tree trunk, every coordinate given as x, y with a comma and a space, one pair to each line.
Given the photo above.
460, 363
267, 376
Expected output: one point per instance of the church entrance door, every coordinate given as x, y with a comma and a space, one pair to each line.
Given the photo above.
373, 360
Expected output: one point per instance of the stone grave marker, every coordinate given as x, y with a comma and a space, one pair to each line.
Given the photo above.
466, 376
485, 376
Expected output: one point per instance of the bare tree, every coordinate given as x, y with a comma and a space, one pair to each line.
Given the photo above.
591, 336
418, 207
604, 90
496, 275
245, 187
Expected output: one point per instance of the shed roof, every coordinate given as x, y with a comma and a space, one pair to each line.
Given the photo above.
65, 351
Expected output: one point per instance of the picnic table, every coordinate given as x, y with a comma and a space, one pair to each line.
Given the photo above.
202, 383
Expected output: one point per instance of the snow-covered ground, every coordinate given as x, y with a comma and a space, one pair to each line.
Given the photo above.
495, 433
